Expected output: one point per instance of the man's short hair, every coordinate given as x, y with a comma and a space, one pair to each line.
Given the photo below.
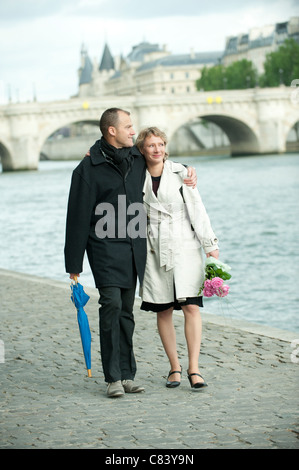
110, 117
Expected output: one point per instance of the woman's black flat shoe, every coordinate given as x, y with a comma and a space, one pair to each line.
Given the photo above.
173, 384
197, 385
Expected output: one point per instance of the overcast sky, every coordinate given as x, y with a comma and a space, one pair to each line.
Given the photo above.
40, 40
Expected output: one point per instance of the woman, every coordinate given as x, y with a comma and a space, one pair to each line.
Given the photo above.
179, 230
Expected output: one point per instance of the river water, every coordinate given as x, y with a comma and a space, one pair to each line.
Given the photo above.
253, 203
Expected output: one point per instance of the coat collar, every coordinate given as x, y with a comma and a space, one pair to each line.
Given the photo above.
97, 157
149, 196
173, 167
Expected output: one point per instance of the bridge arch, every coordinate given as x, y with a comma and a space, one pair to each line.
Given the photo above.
243, 139
50, 127
72, 142
291, 125
261, 117
6, 158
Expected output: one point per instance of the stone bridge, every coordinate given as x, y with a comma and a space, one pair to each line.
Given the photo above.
256, 121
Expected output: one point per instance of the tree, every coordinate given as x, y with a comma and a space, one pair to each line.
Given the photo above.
281, 66
239, 75
211, 78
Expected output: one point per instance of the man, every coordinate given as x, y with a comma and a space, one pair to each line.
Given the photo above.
103, 187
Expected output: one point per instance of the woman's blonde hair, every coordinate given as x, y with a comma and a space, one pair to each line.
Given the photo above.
148, 132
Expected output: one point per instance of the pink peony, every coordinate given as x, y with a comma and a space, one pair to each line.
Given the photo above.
208, 290
208, 293
215, 286
222, 291
216, 282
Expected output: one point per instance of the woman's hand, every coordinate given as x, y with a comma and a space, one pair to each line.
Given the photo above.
214, 253
191, 180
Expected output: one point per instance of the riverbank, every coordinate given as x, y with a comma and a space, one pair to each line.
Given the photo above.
49, 402
33, 213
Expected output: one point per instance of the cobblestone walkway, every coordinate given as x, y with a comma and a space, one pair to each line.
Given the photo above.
47, 400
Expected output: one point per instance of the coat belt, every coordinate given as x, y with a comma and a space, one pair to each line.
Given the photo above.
166, 225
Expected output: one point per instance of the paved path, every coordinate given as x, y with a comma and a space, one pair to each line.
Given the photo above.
47, 401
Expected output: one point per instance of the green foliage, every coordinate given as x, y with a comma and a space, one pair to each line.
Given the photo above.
217, 271
239, 75
281, 67
215, 268
211, 78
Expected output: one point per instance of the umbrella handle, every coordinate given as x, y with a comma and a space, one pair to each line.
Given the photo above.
76, 279
89, 372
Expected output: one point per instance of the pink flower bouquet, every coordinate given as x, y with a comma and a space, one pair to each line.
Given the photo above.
216, 273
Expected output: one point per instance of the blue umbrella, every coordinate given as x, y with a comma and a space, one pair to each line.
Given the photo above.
80, 299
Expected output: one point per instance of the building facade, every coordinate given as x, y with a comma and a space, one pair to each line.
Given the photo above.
148, 69
152, 69
258, 42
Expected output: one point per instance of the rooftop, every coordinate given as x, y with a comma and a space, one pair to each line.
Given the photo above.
86, 71
140, 50
107, 62
199, 58
263, 37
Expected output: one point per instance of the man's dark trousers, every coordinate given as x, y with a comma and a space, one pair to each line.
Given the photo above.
116, 333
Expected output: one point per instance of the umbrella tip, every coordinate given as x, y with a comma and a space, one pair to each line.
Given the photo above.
89, 372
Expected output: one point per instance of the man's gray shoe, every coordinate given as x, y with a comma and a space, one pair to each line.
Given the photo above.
115, 389
129, 387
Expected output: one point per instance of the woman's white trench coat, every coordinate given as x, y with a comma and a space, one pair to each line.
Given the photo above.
178, 232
